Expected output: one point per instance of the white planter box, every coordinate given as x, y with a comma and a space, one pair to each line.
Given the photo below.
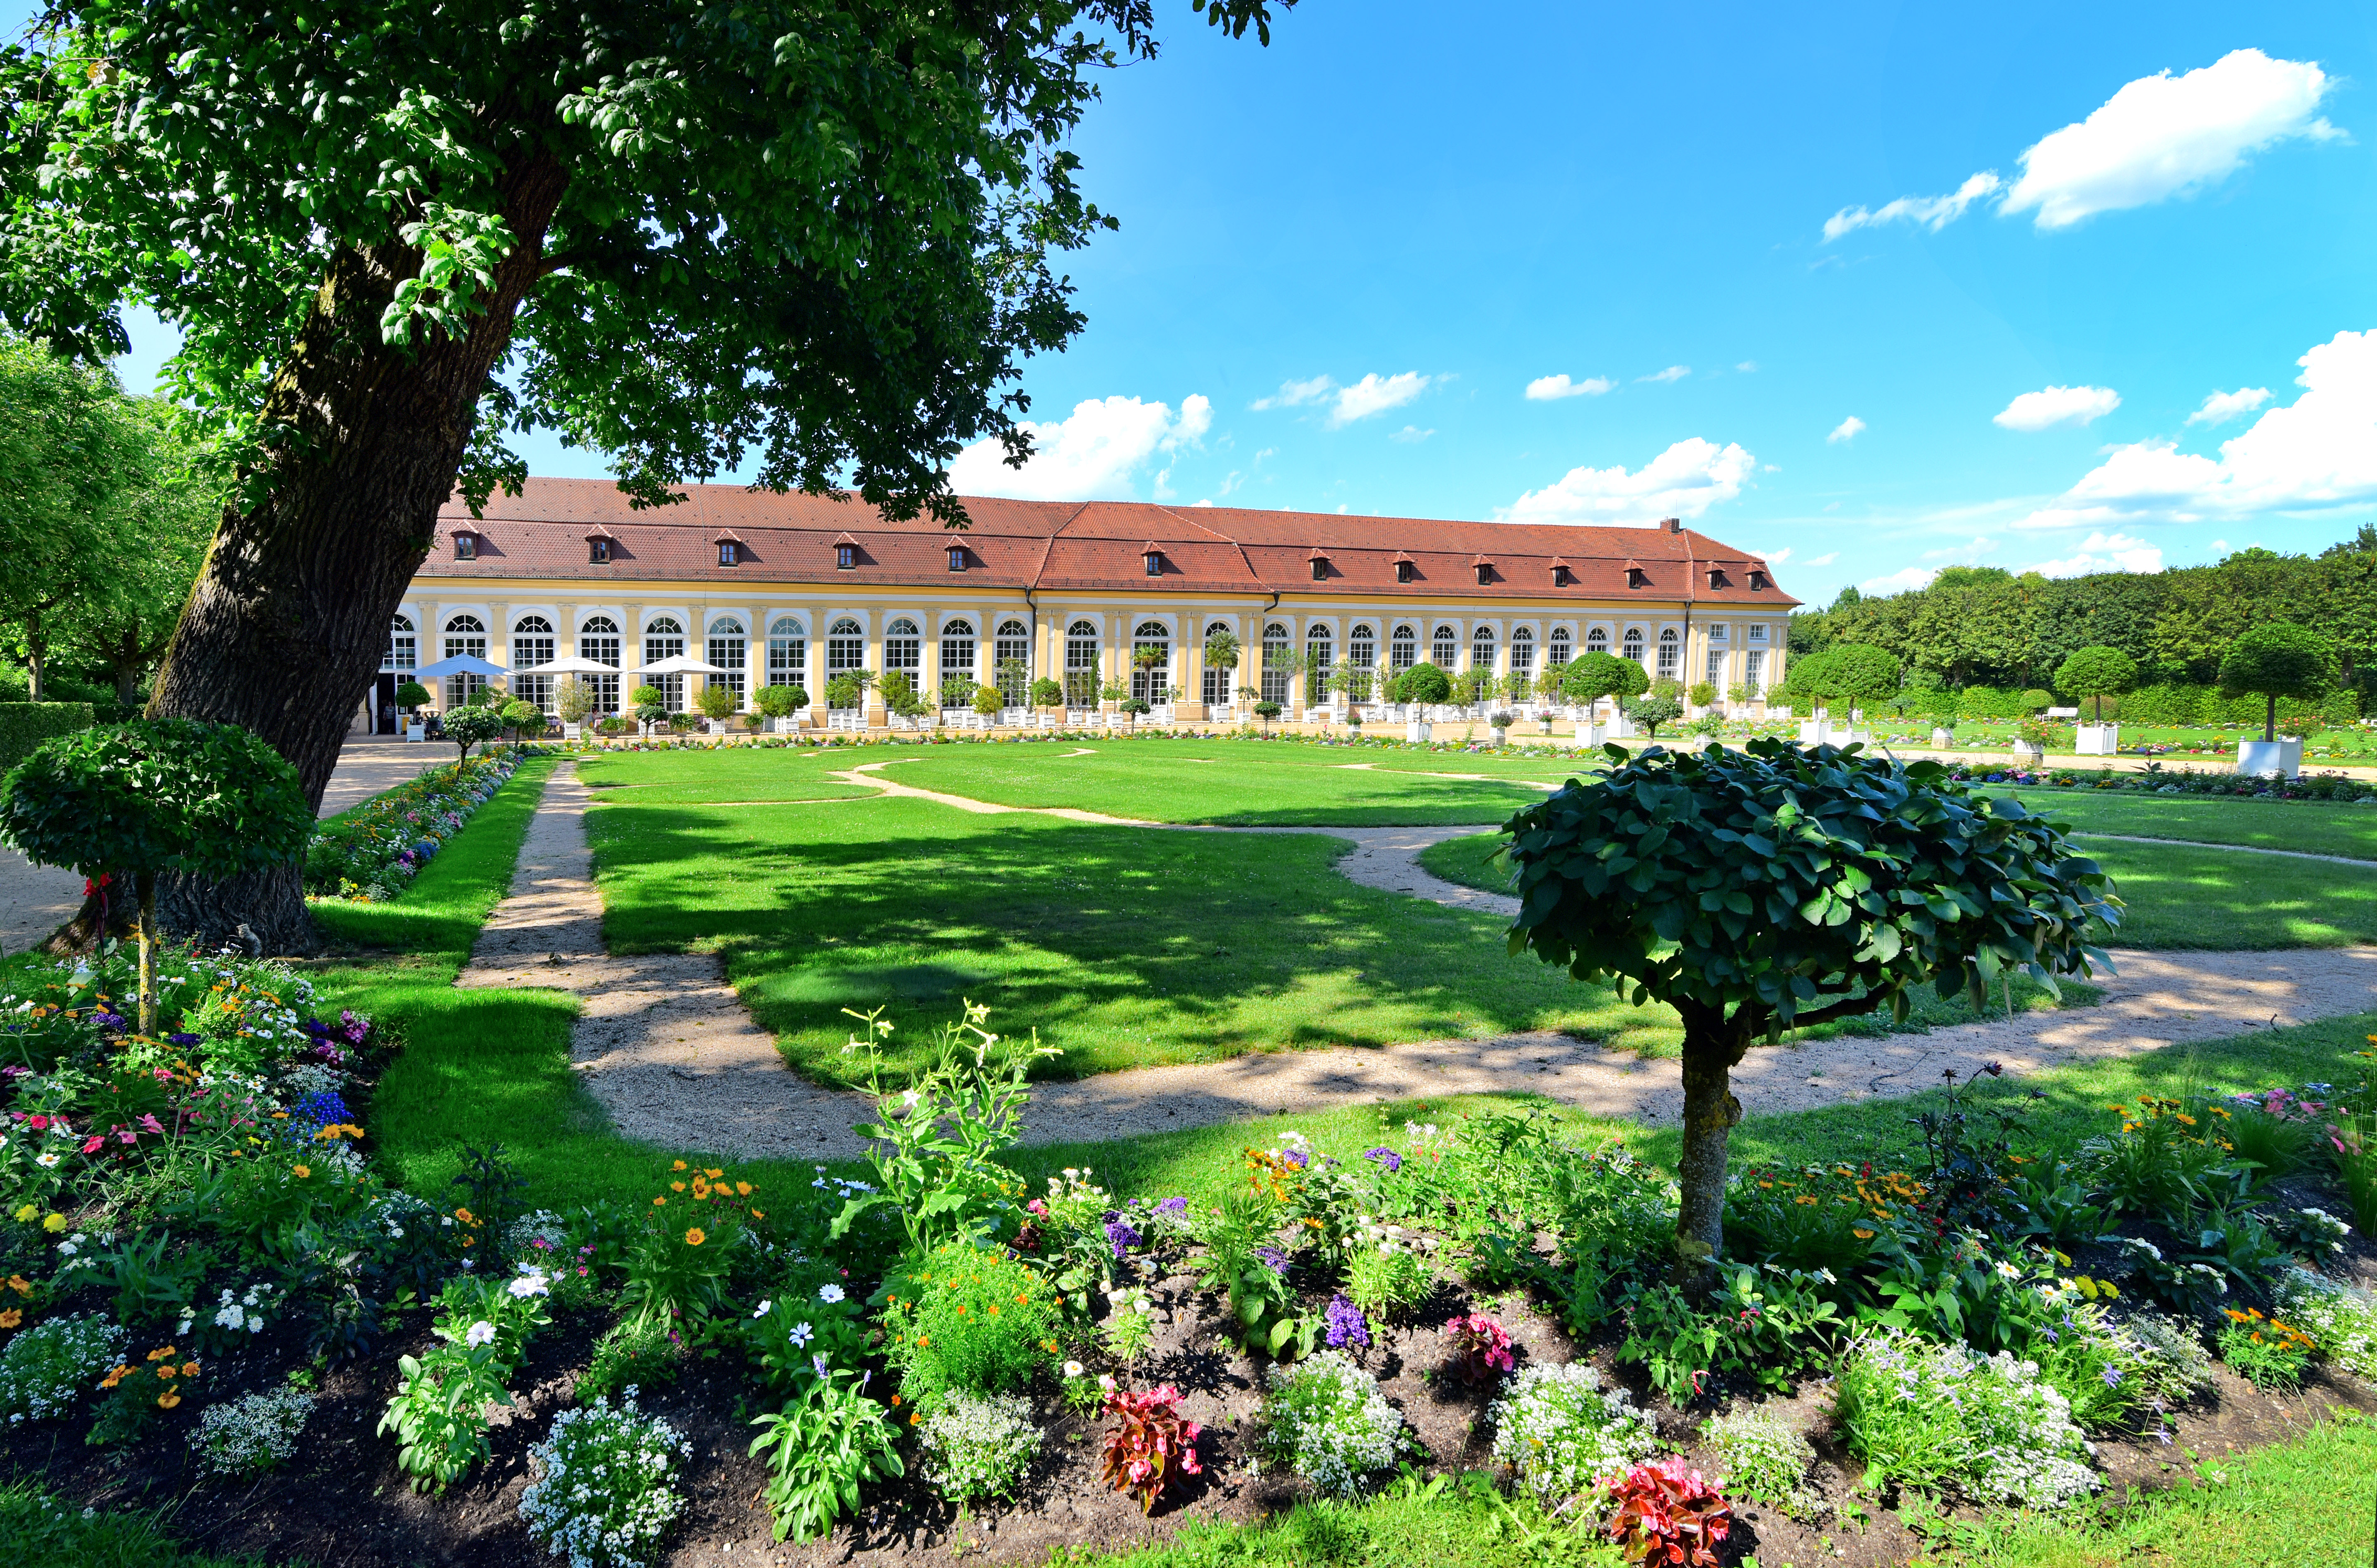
1815, 732
416, 732
1591, 733
2098, 741
2028, 756
572, 731
2280, 759
1418, 730
1941, 740
1621, 728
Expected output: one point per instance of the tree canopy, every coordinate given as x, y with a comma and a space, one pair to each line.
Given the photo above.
1763, 889
2274, 661
1592, 676
1846, 672
2096, 673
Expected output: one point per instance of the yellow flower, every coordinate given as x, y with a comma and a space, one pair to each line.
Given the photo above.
742, 1189
713, 1175
658, 1202
11, 1318
168, 1399
189, 1369
54, 1223
676, 1186
303, 1171
679, 1165
759, 1214
1861, 1233
695, 1238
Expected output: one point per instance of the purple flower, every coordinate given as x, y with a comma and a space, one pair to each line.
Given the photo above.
1275, 1260
184, 1041
1346, 1325
1177, 1208
1299, 1158
2112, 1376
1385, 1156
1119, 1234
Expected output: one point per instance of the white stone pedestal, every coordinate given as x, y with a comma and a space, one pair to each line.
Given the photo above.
2280, 759
2098, 741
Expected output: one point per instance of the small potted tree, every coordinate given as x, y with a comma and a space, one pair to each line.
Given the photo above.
901, 699
572, 700
1048, 699
1766, 890
1702, 695
650, 706
716, 701
2095, 674
1424, 686
1499, 721
156, 796
525, 718
2273, 661
988, 704
471, 724
780, 704
1222, 654
413, 697
1653, 711
1111, 696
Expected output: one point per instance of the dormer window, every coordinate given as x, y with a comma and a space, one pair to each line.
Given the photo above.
1716, 578
1559, 574
957, 557
1404, 570
729, 552
1485, 572
1637, 578
845, 556
598, 551
1153, 563
1319, 568
466, 545
1758, 581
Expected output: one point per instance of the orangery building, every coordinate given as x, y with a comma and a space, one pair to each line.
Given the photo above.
792, 590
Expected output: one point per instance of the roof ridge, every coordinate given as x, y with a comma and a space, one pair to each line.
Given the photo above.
1231, 540
1048, 546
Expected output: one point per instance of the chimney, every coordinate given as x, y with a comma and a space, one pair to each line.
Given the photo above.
1672, 524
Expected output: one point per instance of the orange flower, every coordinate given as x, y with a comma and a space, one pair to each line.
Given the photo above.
676, 1186
713, 1175
303, 1171
1861, 1233
18, 1283
11, 1318
168, 1399
189, 1369
161, 1355
114, 1377
915, 1417
759, 1214
694, 1237
658, 1202
466, 1216
167, 1375
742, 1189
679, 1165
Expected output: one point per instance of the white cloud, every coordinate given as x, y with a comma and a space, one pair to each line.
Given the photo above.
1776, 558
1899, 581
1673, 372
2316, 452
1092, 454
2104, 552
2164, 136
1206, 502
1967, 553
1747, 366
1847, 430
1684, 481
2221, 407
2057, 405
2159, 136
1375, 394
1934, 212
1827, 558
1545, 389
1292, 394
1411, 433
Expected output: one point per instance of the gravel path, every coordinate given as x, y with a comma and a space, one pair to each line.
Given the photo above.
668, 1049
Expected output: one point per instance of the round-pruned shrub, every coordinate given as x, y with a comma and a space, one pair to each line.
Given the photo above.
601, 1494
1562, 1434
960, 1318
979, 1446
1327, 1420
1423, 683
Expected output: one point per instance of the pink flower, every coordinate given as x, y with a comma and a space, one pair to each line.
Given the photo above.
148, 1123
92, 1146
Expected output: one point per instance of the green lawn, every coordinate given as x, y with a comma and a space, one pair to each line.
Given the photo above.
741, 773
2313, 827
2178, 895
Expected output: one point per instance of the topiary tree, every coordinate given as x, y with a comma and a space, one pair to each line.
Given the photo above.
1774, 888
2036, 700
467, 726
777, 701
521, 714
1854, 673
412, 695
1592, 676
1047, 693
1653, 711
1703, 693
153, 797
2274, 661
1424, 683
987, 702
2098, 672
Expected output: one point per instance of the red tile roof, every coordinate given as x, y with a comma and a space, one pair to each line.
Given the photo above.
1070, 545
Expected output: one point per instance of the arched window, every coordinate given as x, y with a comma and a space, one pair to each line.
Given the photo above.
1403, 650
598, 638
845, 652
1014, 669
403, 646
1523, 652
1362, 653
1220, 684
1444, 648
903, 650
1670, 652
664, 639
1633, 644
1481, 650
1320, 659
1559, 650
1151, 681
1278, 661
730, 651
531, 645
1597, 640
1081, 665
465, 636
788, 651
957, 664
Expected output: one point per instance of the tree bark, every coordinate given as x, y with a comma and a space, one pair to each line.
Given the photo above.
1713, 1046
361, 443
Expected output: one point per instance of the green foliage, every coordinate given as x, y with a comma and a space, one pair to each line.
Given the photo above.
1563, 1432
1852, 673
1766, 1460
1593, 676
602, 1492
412, 694
820, 1447
156, 796
1423, 683
2276, 660
45, 1368
25, 726
636, 1352
1047, 693
1653, 711
1326, 1421
1762, 1328
468, 725
2269, 1353
779, 701
964, 1317
1703, 693
2096, 673
438, 1412
1934, 1417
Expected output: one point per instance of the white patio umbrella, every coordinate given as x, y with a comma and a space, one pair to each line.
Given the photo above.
679, 665
460, 665
572, 666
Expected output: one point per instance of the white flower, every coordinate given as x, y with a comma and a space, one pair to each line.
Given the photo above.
480, 1333
828, 1293
803, 1333
764, 1308
1074, 1369
531, 1283
46, 1161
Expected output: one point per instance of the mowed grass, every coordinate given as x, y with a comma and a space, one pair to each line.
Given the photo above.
2312, 827
1125, 947
1244, 784
2177, 896
729, 773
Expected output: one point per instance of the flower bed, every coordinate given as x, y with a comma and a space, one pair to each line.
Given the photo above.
372, 852
932, 1346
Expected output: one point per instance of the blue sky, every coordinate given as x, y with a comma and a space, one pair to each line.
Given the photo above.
1345, 260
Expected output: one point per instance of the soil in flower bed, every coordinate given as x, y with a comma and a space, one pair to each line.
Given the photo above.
341, 1501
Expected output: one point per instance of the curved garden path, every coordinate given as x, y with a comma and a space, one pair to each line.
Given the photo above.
666, 1047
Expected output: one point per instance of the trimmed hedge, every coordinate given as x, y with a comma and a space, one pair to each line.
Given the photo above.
24, 726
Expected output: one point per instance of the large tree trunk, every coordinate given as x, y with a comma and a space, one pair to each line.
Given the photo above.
363, 442
1713, 1047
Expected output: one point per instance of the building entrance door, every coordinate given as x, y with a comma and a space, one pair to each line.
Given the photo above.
384, 705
